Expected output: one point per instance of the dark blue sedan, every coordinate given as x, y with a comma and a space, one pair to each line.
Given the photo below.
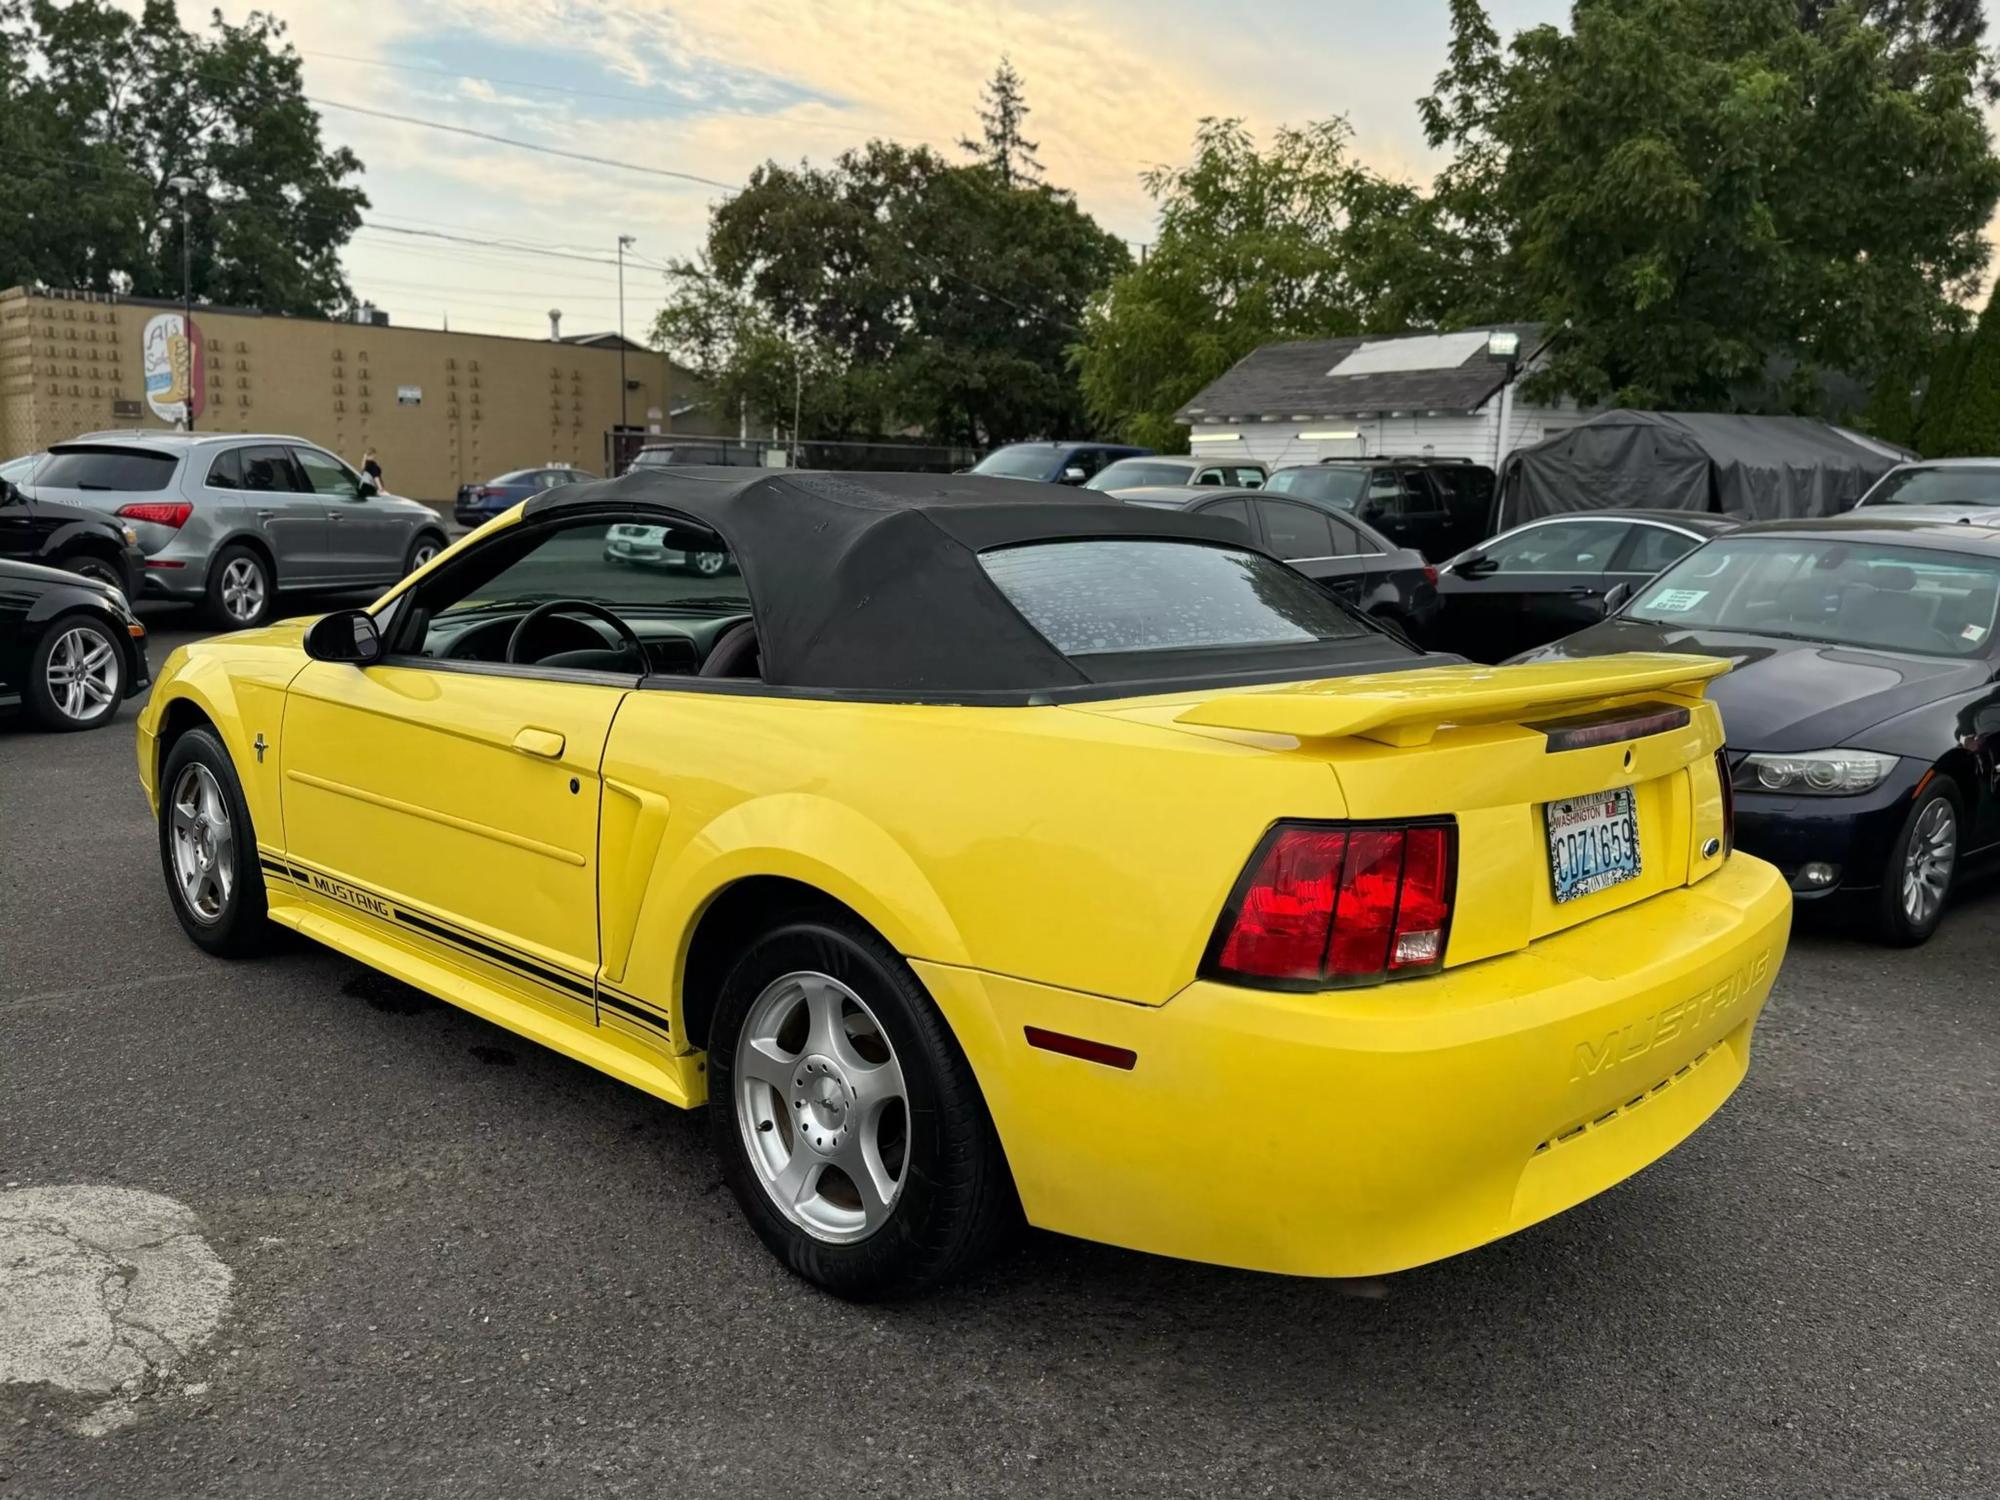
480, 503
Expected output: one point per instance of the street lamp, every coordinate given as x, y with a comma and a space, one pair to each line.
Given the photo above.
624, 240
183, 186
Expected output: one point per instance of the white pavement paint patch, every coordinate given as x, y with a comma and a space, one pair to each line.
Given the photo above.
103, 1290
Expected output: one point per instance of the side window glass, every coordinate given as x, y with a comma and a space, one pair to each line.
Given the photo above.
1562, 547
1651, 548
327, 475
226, 472
1350, 541
1209, 476
1424, 492
1249, 479
268, 471
1384, 494
1232, 510
1296, 531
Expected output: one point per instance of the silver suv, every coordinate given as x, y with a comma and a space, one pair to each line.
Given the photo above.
229, 520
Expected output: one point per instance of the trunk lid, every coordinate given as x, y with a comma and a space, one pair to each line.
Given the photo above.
1485, 746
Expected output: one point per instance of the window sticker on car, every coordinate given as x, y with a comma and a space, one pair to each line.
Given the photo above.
1677, 601
1973, 633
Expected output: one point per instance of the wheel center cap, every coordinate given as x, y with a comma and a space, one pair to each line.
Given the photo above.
822, 1102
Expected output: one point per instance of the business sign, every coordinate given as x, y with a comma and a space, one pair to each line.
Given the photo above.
409, 395
171, 362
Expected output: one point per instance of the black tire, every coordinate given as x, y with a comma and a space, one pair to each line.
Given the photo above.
708, 564
955, 1200
240, 926
230, 607
96, 569
423, 547
69, 632
1894, 923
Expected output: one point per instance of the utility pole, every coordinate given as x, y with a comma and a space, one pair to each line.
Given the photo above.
182, 186
623, 241
798, 391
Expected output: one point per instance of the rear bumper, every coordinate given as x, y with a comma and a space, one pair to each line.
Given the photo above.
1354, 1133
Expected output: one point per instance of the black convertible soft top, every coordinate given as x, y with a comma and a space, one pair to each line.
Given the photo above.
872, 582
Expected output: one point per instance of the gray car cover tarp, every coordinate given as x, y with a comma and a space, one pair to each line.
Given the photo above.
1761, 468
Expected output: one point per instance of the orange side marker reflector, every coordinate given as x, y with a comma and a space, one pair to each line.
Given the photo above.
1083, 1047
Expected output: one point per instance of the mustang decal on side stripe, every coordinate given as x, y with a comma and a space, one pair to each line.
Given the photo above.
625, 1007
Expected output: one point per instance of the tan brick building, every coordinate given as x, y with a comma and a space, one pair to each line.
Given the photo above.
439, 409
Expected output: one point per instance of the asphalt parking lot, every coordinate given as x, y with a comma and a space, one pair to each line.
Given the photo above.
463, 1265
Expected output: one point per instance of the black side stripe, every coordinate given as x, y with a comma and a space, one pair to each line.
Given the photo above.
628, 1006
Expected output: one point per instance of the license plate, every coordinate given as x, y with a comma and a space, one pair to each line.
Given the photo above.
1593, 843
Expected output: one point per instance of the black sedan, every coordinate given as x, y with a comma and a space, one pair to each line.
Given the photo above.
1544, 579
71, 538
1343, 554
71, 649
1863, 714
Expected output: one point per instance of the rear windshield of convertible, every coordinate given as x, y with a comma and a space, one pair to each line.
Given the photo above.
1112, 597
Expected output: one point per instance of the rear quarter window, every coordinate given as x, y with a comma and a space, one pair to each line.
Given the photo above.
1115, 597
130, 469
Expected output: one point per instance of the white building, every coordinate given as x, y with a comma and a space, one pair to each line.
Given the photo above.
1443, 395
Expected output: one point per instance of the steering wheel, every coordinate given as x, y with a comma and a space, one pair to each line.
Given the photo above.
541, 612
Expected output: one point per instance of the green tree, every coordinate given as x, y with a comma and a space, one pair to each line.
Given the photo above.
1688, 188
1001, 146
1891, 413
1938, 410
99, 109
915, 293
1254, 245
1973, 424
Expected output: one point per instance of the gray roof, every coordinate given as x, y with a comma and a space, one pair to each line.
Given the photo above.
1284, 382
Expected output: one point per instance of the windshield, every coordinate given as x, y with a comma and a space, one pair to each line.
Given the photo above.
1959, 485
1021, 461
1131, 473
1335, 484
1094, 597
1845, 593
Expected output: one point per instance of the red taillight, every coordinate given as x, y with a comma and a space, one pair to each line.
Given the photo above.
1728, 803
159, 512
486, 492
1323, 906
1430, 575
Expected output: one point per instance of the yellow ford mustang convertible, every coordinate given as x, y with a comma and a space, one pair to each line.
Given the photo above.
977, 850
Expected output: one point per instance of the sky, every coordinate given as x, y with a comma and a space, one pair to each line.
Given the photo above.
714, 87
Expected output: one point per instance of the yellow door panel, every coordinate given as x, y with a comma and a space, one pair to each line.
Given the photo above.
473, 796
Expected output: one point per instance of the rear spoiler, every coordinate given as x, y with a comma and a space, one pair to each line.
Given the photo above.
1408, 708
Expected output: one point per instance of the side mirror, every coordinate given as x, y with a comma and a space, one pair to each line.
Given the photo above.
1475, 565
346, 635
9, 495
1074, 475
369, 487
1619, 596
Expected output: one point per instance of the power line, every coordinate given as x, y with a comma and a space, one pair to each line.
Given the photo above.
502, 140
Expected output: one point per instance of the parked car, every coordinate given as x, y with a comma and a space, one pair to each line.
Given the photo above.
1550, 578
1391, 584
21, 470
479, 503
1941, 488
652, 547
1053, 463
1439, 506
71, 650
70, 538
682, 452
985, 856
1159, 469
1863, 716
229, 520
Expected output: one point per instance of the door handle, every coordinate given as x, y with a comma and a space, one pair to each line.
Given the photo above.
266, 515
543, 742
333, 515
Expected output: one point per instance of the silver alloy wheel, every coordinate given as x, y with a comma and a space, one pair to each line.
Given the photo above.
820, 1100
243, 588
710, 564
422, 553
82, 673
203, 843
1928, 864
